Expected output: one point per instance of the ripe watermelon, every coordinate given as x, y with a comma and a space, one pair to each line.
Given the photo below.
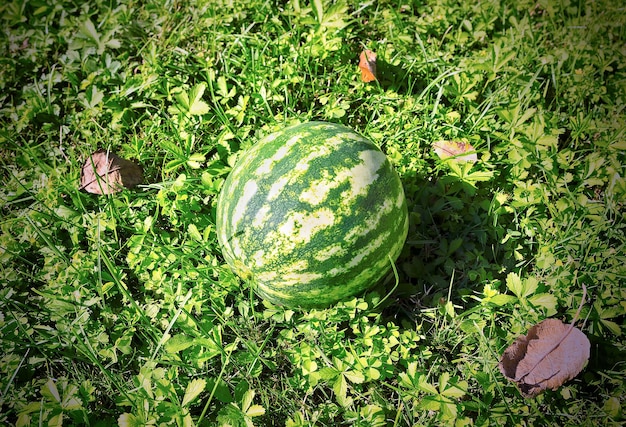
312, 214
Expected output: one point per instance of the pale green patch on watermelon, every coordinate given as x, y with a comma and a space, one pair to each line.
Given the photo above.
300, 227
267, 165
276, 189
362, 175
249, 190
331, 251
312, 215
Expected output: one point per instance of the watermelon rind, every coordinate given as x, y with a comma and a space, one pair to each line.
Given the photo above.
312, 215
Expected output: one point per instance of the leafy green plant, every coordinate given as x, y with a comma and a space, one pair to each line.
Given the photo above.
241, 414
442, 398
120, 309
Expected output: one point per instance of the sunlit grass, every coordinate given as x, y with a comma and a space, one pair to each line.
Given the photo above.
120, 309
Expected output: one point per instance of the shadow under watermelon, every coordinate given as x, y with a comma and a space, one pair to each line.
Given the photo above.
454, 246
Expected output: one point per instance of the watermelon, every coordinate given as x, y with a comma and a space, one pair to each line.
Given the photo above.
312, 215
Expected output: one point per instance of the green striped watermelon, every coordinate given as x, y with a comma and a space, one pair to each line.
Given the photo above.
312, 214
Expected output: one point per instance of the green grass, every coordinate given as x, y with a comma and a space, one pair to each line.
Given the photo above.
120, 309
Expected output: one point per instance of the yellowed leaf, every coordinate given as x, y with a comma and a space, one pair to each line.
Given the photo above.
548, 356
106, 173
367, 64
460, 151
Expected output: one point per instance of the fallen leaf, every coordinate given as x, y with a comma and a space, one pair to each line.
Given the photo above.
106, 173
367, 64
460, 151
548, 356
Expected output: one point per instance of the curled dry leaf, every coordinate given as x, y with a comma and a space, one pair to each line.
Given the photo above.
548, 356
367, 64
460, 151
106, 173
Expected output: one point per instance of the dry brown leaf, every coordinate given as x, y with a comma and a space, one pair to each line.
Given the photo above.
106, 173
367, 64
548, 356
460, 151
